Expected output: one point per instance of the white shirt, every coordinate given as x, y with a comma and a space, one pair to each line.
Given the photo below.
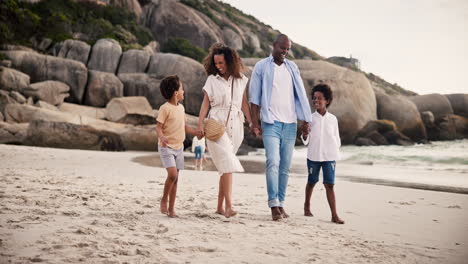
324, 138
198, 142
282, 96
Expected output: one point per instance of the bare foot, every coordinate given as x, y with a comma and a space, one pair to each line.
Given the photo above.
221, 212
172, 214
275, 214
230, 213
283, 213
163, 207
336, 219
307, 211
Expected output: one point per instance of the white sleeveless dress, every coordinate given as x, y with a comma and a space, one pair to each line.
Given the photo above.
223, 151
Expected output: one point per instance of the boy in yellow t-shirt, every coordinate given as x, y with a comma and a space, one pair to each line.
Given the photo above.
171, 131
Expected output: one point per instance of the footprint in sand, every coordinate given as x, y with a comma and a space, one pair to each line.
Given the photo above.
162, 229
454, 207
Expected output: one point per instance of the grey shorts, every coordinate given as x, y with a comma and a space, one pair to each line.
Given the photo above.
172, 157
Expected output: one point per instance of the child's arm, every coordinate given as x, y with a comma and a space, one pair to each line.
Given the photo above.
337, 135
161, 136
190, 130
305, 134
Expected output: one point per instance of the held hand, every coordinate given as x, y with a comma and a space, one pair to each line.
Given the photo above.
200, 132
305, 130
255, 130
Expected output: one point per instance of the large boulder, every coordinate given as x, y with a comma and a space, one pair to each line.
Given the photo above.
13, 80
448, 127
168, 19
133, 110
141, 84
459, 103
102, 87
44, 68
134, 61
191, 73
105, 56
252, 41
73, 50
18, 97
131, 5
438, 104
354, 102
84, 110
381, 132
19, 113
71, 136
5, 99
12, 133
232, 39
52, 92
403, 112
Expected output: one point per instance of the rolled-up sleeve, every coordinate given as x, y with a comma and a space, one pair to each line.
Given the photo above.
255, 88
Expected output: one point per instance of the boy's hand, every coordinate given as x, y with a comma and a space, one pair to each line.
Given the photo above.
164, 141
305, 130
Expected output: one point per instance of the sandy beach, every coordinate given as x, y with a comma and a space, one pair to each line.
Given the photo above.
75, 206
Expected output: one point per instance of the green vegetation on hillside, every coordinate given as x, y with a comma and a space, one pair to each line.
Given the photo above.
60, 19
184, 47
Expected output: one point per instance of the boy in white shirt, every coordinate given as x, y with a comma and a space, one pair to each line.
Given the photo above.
323, 149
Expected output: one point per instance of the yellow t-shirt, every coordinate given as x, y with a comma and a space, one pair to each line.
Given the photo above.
172, 117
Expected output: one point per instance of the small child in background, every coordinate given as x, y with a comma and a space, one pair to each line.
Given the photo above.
171, 131
323, 149
198, 147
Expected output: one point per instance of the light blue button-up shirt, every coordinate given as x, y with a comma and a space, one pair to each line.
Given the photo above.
261, 84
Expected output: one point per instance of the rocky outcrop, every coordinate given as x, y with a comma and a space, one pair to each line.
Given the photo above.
12, 133
459, 103
438, 104
133, 110
168, 19
105, 56
131, 5
102, 87
18, 97
19, 113
44, 68
448, 127
83, 110
403, 112
45, 105
13, 80
381, 132
141, 84
52, 92
354, 102
73, 50
71, 136
191, 73
134, 61
5, 99
232, 39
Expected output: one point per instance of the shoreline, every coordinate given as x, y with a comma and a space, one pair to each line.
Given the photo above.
256, 165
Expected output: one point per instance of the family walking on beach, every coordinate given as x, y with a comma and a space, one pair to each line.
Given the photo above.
277, 101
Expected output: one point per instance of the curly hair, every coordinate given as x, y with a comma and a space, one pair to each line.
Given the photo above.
169, 85
325, 90
233, 62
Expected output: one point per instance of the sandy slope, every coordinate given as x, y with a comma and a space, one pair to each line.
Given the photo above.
69, 206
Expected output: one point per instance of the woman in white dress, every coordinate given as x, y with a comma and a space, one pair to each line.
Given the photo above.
224, 69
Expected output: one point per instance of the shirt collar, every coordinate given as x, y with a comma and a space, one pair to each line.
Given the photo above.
318, 114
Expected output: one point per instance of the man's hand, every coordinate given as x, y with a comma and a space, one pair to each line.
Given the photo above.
255, 130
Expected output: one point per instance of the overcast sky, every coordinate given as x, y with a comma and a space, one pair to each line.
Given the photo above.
420, 44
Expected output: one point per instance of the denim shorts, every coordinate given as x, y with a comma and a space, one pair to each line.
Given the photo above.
172, 157
328, 168
198, 152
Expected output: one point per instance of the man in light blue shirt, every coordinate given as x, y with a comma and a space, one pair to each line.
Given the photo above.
278, 98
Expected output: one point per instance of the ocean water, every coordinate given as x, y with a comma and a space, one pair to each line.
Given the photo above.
439, 155
439, 166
